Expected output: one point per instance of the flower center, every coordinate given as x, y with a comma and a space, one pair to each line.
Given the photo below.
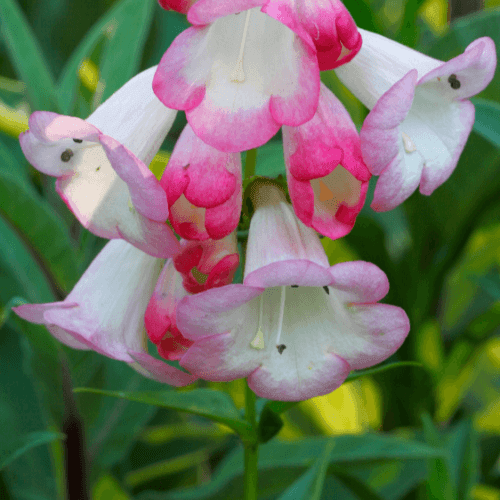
408, 144
238, 75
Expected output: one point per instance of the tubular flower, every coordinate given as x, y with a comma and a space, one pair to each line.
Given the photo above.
327, 177
328, 23
296, 326
101, 165
160, 314
420, 115
239, 74
203, 187
105, 311
207, 264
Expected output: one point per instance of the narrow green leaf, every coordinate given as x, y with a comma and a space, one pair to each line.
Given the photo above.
214, 405
123, 29
362, 490
310, 485
45, 232
122, 55
27, 57
21, 274
278, 459
22, 444
380, 369
439, 482
487, 122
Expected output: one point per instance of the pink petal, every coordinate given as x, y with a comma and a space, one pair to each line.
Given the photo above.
161, 371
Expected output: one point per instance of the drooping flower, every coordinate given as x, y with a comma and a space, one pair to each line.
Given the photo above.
160, 314
203, 187
327, 177
105, 311
102, 165
198, 267
329, 24
420, 115
296, 327
239, 74
207, 264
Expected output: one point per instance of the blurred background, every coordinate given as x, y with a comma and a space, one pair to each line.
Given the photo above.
441, 254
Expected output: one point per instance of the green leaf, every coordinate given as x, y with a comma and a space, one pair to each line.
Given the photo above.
487, 122
270, 423
46, 233
21, 275
363, 491
439, 483
31, 474
22, 444
11, 165
123, 29
279, 461
27, 57
213, 405
381, 369
464, 466
122, 54
310, 485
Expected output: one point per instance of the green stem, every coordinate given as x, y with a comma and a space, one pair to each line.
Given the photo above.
250, 163
251, 447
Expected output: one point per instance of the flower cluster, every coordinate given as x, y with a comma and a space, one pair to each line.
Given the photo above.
296, 326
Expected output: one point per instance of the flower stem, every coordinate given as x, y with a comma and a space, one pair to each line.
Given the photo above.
251, 447
250, 163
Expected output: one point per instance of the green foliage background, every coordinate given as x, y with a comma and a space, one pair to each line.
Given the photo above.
429, 432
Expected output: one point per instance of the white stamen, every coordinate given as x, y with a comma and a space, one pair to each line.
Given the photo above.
282, 311
258, 341
408, 144
238, 75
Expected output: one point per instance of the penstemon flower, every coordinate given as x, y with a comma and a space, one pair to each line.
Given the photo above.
327, 177
200, 266
203, 187
296, 327
101, 165
208, 263
239, 74
420, 115
105, 311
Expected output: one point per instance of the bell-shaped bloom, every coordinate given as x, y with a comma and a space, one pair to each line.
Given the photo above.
102, 165
420, 115
296, 327
203, 187
207, 264
105, 311
239, 74
160, 314
198, 267
327, 178
329, 24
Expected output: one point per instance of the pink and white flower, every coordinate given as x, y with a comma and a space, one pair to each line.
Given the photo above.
420, 115
198, 267
102, 165
240, 74
328, 23
160, 314
207, 264
296, 327
105, 311
327, 178
203, 187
